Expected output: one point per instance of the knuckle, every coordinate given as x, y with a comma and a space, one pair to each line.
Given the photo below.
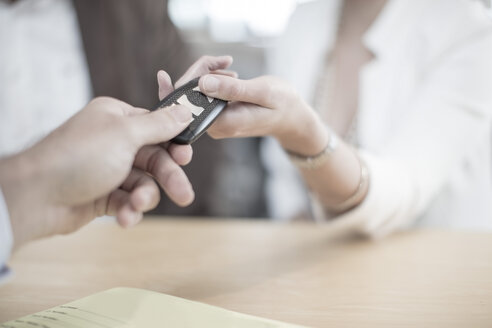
126, 130
155, 161
108, 106
161, 166
236, 90
155, 199
205, 59
274, 93
277, 91
103, 101
125, 123
222, 130
231, 131
170, 122
214, 134
164, 120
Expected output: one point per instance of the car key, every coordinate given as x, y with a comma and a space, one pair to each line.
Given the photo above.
203, 108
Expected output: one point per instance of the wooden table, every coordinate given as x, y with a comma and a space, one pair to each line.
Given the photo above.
296, 273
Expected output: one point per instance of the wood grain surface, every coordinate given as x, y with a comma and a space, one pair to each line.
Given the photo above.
298, 273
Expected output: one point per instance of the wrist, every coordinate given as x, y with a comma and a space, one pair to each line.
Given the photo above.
20, 190
307, 137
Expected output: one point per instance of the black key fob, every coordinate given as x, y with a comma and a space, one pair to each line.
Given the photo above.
204, 109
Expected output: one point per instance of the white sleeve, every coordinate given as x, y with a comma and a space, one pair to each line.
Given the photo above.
450, 114
6, 239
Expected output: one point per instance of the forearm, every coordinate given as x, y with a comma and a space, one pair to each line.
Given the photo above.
268, 106
338, 181
337, 178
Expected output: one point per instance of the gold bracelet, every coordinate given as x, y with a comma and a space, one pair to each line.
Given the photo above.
313, 162
354, 199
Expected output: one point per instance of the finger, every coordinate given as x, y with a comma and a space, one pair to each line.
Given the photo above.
115, 201
258, 91
160, 125
136, 111
165, 84
205, 65
109, 204
127, 216
115, 106
119, 205
158, 162
225, 72
177, 187
241, 120
181, 154
144, 193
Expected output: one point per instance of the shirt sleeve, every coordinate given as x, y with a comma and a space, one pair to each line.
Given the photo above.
6, 240
449, 115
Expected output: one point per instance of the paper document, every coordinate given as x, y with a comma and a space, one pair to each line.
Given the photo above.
130, 307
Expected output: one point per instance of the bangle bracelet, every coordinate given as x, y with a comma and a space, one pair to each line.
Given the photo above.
313, 162
355, 198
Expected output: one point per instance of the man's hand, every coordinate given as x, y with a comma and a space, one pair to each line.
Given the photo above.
99, 162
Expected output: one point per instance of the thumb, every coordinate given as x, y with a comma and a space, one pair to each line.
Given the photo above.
160, 125
260, 91
165, 84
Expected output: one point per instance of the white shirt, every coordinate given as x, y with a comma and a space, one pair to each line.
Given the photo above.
424, 111
43, 77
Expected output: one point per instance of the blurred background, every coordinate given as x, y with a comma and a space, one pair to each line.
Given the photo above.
248, 31
66, 52
243, 29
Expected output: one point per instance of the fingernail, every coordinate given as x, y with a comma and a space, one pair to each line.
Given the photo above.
210, 84
181, 113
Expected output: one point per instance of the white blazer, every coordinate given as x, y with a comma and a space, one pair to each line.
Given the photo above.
424, 116
43, 77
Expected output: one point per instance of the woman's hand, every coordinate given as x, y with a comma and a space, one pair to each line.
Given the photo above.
269, 106
265, 106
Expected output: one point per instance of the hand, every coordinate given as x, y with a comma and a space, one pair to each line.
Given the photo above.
99, 162
269, 106
205, 65
265, 106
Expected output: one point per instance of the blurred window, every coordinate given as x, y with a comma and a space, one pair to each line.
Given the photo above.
241, 21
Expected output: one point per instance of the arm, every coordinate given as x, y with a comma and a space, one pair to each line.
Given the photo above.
99, 162
449, 115
268, 106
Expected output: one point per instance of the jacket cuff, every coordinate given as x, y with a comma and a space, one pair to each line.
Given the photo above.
6, 239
